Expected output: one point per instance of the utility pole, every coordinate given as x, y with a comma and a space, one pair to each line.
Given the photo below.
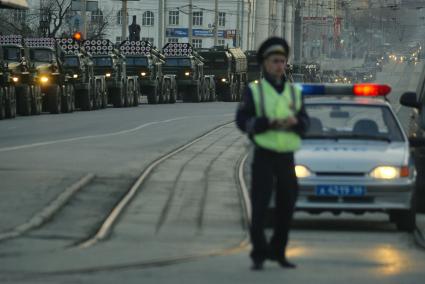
238, 26
161, 23
124, 20
189, 31
216, 23
84, 18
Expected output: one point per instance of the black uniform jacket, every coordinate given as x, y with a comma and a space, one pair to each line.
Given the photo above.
248, 121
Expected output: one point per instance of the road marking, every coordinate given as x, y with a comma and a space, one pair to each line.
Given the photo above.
46, 143
48, 211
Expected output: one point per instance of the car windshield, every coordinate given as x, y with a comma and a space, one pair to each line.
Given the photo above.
71, 61
102, 61
12, 53
137, 61
352, 121
177, 62
42, 55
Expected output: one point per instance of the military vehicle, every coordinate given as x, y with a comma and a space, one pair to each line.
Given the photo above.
145, 61
108, 61
229, 66
7, 90
26, 99
56, 87
253, 70
90, 90
187, 65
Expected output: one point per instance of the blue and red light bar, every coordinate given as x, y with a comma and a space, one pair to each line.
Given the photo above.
360, 90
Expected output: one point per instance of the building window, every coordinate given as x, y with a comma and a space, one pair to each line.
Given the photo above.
173, 39
147, 18
150, 39
19, 16
221, 19
97, 17
118, 39
173, 18
221, 42
197, 43
197, 18
119, 17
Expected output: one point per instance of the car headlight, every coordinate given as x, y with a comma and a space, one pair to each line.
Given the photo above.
143, 74
302, 171
108, 75
44, 79
224, 80
389, 172
15, 79
75, 76
187, 73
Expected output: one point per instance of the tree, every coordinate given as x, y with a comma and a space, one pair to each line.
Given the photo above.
52, 16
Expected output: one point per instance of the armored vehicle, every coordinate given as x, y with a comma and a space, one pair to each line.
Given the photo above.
108, 61
145, 62
90, 90
26, 99
47, 58
253, 70
187, 65
229, 66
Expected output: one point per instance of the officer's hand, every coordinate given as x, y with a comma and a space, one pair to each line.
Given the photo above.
283, 123
261, 124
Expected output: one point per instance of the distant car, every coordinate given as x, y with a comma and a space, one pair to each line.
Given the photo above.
355, 156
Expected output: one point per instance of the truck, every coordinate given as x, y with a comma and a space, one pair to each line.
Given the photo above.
7, 90
89, 90
108, 61
146, 62
27, 96
229, 67
187, 65
47, 59
253, 69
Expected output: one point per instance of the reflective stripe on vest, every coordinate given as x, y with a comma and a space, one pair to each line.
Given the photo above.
277, 106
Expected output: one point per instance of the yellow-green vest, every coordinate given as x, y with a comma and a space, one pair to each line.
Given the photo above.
277, 106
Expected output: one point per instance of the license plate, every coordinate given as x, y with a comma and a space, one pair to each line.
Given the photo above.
340, 190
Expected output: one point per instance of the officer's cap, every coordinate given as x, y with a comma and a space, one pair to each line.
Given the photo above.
272, 45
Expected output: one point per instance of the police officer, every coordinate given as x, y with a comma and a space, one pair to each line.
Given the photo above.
273, 115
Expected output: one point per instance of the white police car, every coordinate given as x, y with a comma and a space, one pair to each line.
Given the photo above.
355, 156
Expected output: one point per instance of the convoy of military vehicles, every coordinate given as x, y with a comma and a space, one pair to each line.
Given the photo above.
61, 75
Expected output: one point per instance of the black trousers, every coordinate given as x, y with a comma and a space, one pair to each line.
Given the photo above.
272, 171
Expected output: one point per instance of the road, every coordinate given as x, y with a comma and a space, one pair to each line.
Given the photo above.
153, 195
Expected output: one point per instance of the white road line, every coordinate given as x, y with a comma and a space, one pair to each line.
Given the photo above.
40, 144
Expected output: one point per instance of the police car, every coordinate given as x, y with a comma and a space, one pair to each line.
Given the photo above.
355, 156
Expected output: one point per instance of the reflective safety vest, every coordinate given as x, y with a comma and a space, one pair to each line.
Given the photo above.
277, 106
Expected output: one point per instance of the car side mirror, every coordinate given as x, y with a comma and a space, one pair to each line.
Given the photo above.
416, 142
409, 99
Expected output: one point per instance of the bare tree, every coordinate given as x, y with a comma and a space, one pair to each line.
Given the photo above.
52, 16
99, 24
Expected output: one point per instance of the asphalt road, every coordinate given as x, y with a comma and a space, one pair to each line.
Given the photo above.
187, 221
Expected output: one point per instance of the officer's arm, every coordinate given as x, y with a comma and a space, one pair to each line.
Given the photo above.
246, 118
303, 121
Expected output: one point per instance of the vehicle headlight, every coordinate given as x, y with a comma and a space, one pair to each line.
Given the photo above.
44, 79
75, 76
15, 79
256, 81
187, 73
389, 172
143, 74
302, 171
108, 75
224, 80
